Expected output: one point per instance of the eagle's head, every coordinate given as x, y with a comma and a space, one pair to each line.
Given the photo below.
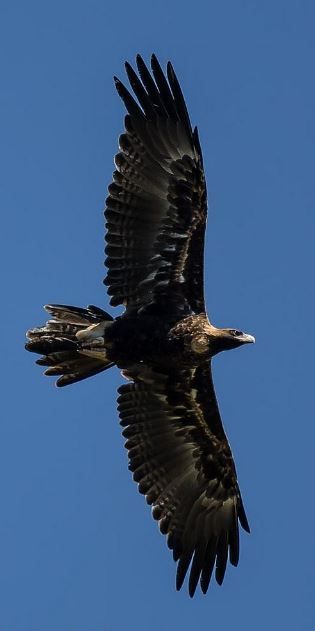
212, 340
226, 339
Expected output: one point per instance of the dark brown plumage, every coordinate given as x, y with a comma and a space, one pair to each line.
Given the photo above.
163, 343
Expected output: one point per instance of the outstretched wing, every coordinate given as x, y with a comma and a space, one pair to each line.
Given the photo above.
156, 209
180, 457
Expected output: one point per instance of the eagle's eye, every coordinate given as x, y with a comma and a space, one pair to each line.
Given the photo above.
235, 332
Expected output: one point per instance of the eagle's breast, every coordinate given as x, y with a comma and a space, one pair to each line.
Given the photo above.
191, 334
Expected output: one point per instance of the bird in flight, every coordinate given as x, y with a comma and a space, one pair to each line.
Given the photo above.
163, 343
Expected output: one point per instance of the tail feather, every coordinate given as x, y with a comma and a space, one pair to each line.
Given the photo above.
72, 342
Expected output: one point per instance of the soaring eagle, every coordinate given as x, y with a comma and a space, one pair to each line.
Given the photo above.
163, 342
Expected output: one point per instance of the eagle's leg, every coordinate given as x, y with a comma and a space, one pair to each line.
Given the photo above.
72, 342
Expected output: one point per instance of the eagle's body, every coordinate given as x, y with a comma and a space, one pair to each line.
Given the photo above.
163, 342
159, 340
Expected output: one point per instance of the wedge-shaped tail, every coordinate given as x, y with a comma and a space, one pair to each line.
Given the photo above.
72, 342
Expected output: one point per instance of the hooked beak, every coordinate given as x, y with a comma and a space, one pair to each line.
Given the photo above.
248, 339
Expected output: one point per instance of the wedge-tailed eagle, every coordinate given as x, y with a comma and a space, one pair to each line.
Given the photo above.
164, 342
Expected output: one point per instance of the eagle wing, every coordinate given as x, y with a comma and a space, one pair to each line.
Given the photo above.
156, 209
180, 456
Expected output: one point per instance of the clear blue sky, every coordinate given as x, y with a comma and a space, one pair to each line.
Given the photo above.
78, 548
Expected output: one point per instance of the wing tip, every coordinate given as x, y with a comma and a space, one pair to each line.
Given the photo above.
242, 517
139, 59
